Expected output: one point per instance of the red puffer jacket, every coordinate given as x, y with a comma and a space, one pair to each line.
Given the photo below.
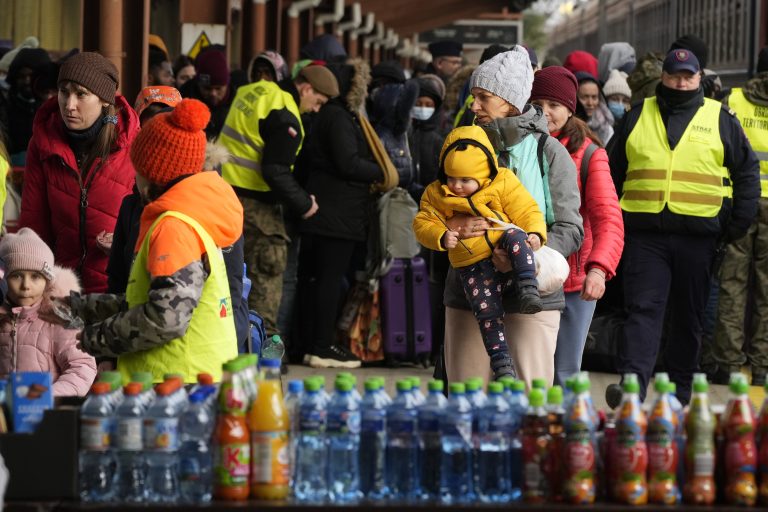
69, 211
603, 223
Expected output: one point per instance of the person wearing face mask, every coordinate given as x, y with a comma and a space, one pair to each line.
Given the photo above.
688, 181
424, 136
554, 90
78, 169
264, 133
617, 94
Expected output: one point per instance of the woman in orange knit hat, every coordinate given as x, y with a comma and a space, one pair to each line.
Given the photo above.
179, 315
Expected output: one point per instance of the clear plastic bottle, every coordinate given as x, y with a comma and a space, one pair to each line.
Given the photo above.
350, 377
477, 398
195, 457
740, 449
430, 445
536, 445
147, 395
631, 453
383, 392
699, 487
373, 442
418, 396
115, 381
179, 398
97, 462
161, 445
518, 407
343, 433
310, 483
131, 462
292, 401
402, 463
456, 483
495, 428
273, 348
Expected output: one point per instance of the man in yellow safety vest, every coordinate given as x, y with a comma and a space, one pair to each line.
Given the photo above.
688, 181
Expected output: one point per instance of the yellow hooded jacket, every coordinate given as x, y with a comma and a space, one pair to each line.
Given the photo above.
468, 153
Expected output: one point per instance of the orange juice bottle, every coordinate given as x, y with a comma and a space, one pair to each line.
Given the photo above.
269, 424
631, 453
232, 448
740, 448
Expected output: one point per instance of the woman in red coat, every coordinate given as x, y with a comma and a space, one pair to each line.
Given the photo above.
554, 90
78, 168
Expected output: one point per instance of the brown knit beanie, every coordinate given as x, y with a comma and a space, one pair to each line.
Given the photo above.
25, 250
172, 144
92, 71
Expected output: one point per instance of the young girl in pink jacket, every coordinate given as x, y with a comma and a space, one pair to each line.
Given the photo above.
29, 343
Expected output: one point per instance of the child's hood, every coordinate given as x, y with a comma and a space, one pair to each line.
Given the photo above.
64, 282
467, 153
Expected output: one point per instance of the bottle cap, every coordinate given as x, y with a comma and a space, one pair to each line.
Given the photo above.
536, 397
630, 384
555, 395
539, 383
343, 385
738, 386
415, 382
672, 388
164, 389
581, 384
518, 385
495, 388
507, 381
197, 397
133, 388
295, 386
270, 363
662, 376
320, 379
100, 388
311, 385
251, 359
347, 375
404, 385
175, 380
372, 384
661, 385
473, 384
457, 388
700, 384
381, 380
436, 386
570, 382
114, 379
205, 379
230, 366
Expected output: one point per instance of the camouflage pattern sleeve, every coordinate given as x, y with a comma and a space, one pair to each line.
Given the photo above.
166, 316
95, 307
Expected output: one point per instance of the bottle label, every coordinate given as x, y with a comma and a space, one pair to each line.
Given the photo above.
580, 455
129, 434
401, 425
232, 463
95, 434
500, 423
161, 434
429, 423
345, 422
373, 421
270, 463
312, 420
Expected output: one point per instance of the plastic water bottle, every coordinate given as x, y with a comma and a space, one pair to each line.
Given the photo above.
115, 381
418, 397
161, 445
179, 398
518, 405
373, 442
147, 395
553, 467
292, 401
131, 462
456, 484
403, 445
350, 377
495, 428
310, 483
195, 457
273, 348
430, 446
383, 392
476, 397
97, 462
343, 435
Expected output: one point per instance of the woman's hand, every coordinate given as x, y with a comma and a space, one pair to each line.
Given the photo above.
594, 285
468, 226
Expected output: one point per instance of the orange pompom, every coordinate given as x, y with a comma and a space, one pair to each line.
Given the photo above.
191, 115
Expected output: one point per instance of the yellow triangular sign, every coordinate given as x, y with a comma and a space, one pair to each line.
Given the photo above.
201, 42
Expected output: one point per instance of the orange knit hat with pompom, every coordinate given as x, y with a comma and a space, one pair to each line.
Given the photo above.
172, 144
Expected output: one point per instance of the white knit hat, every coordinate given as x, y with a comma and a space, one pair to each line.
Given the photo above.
508, 75
617, 84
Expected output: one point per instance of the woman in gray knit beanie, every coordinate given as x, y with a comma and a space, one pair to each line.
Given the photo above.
518, 131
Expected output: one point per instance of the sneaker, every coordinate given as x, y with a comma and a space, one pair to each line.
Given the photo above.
333, 357
503, 367
613, 395
530, 300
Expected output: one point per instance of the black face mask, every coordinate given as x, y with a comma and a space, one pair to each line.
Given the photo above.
676, 97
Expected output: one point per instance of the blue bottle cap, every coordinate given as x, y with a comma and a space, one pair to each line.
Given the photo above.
270, 363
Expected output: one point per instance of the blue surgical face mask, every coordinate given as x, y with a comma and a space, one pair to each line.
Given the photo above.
617, 109
422, 113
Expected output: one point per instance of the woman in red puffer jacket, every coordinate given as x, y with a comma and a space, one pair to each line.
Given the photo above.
554, 91
78, 168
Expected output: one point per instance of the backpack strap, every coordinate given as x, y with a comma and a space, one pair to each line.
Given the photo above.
585, 159
540, 152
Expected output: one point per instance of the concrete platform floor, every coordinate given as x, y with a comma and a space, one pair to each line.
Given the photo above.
718, 394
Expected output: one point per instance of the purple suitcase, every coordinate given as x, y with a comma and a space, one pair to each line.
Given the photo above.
405, 312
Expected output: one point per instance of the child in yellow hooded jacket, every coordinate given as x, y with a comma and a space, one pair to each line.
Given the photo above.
471, 182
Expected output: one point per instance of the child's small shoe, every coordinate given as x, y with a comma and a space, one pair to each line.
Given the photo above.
530, 300
503, 367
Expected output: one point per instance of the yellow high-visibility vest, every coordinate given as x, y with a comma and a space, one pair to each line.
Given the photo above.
754, 120
691, 180
240, 134
210, 340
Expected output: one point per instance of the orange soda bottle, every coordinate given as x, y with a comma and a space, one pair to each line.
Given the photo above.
740, 447
269, 424
631, 452
762, 457
662, 446
232, 449
579, 456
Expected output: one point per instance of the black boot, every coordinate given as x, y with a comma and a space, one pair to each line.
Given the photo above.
503, 366
530, 300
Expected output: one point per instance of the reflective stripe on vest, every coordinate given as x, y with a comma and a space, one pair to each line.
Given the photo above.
691, 180
240, 134
460, 114
210, 340
754, 120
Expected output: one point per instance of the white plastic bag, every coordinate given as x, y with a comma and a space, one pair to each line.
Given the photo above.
552, 270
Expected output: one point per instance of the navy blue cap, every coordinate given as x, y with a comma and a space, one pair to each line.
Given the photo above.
445, 49
681, 59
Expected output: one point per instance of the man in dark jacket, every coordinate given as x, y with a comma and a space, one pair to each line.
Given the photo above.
676, 215
211, 86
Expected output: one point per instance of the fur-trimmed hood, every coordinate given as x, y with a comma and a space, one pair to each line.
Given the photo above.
64, 282
216, 155
455, 85
353, 77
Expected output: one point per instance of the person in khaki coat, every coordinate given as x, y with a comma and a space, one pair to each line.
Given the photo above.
470, 182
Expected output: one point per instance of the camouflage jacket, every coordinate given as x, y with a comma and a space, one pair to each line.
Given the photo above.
112, 329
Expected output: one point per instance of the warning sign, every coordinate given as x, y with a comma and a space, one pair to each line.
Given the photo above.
201, 42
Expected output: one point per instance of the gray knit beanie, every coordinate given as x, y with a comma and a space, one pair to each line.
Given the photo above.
508, 75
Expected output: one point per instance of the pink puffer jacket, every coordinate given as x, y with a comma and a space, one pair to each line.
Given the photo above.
30, 344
